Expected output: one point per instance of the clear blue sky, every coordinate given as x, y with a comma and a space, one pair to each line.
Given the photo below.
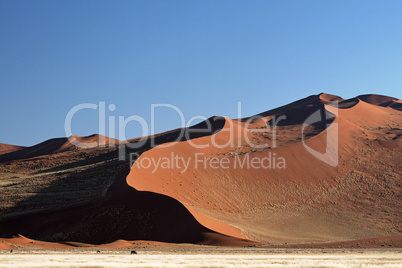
202, 56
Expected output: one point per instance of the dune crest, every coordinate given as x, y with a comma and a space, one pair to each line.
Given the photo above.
328, 98
8, 148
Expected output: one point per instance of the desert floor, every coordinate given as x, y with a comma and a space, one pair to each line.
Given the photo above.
205, 258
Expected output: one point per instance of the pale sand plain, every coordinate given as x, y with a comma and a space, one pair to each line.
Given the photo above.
229, 258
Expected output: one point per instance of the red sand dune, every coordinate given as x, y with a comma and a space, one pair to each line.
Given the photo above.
353, 193
276, 205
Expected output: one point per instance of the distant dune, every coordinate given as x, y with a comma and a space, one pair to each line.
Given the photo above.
53, 146
329, 176
7, 148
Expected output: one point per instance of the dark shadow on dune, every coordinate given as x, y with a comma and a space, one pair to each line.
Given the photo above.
295, 106
396, 106
392, 104
375, 99
296, 112
298, 117
62, 212
349, 103
46, 147
81, 163
205, 128
124, 213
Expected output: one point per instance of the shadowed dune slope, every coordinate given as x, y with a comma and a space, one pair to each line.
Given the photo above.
123, 213
376, 99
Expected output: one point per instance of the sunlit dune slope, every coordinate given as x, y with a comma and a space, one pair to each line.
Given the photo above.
352, 192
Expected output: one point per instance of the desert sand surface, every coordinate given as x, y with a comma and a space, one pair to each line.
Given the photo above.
56, 195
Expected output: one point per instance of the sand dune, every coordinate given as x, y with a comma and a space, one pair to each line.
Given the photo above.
376, 99
57, 145
8, 148
205, 189
286, 205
